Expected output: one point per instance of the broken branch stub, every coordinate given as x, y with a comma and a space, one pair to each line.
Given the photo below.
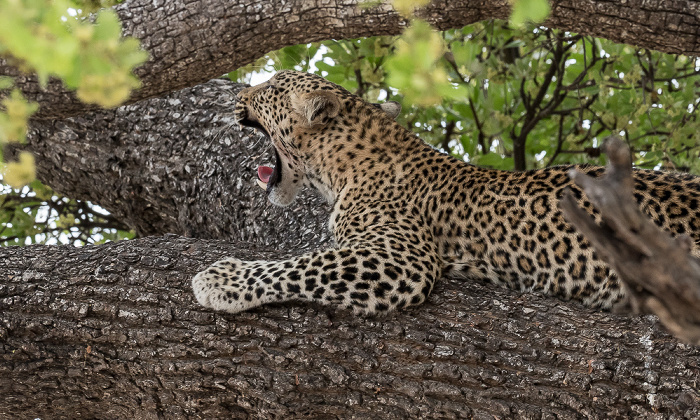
661, 274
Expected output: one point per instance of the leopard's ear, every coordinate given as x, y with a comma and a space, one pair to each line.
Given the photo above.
392, 108
317, 108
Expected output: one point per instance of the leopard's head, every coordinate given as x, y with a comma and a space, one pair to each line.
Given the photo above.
306, 117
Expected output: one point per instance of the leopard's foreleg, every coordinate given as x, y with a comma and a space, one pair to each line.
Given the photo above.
365, 279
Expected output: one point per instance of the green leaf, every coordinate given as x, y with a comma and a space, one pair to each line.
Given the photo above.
20, 173
14, 117
535, 11
495, 160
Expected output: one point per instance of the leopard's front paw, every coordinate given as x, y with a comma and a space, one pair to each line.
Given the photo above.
221, 286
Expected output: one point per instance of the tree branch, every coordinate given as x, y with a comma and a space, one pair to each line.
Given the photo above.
176, 164
193, 41
661, 274
113, 331
449, 130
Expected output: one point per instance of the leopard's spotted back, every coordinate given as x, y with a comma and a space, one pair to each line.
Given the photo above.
405, 214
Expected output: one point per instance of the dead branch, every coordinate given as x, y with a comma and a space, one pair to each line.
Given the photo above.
660, 272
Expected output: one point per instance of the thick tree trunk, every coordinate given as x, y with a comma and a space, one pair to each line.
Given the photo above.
113, 331
177, 164
193, 41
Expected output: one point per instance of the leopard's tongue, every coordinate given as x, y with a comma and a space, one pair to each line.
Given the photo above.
264, 174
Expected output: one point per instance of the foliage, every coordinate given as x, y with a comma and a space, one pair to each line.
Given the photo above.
525, 11
407, 7
413, 66
13, 122
56, 38
36, 215
21, 172
525, 97
61, 39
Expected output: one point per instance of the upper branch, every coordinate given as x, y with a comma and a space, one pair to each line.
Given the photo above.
192, 41
176, 164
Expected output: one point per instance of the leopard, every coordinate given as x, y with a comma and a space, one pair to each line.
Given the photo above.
404, 214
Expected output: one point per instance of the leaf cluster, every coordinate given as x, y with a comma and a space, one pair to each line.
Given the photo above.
79, 43
57, 38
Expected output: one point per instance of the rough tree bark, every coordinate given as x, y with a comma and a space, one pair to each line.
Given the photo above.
193, 41
113, 332
661, 274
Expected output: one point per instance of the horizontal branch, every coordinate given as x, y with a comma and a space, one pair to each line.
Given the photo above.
113, 331
190, 42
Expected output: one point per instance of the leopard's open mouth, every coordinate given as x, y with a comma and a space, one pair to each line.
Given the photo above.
268, 176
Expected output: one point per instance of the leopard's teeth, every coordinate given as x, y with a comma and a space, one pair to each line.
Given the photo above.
262, 184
